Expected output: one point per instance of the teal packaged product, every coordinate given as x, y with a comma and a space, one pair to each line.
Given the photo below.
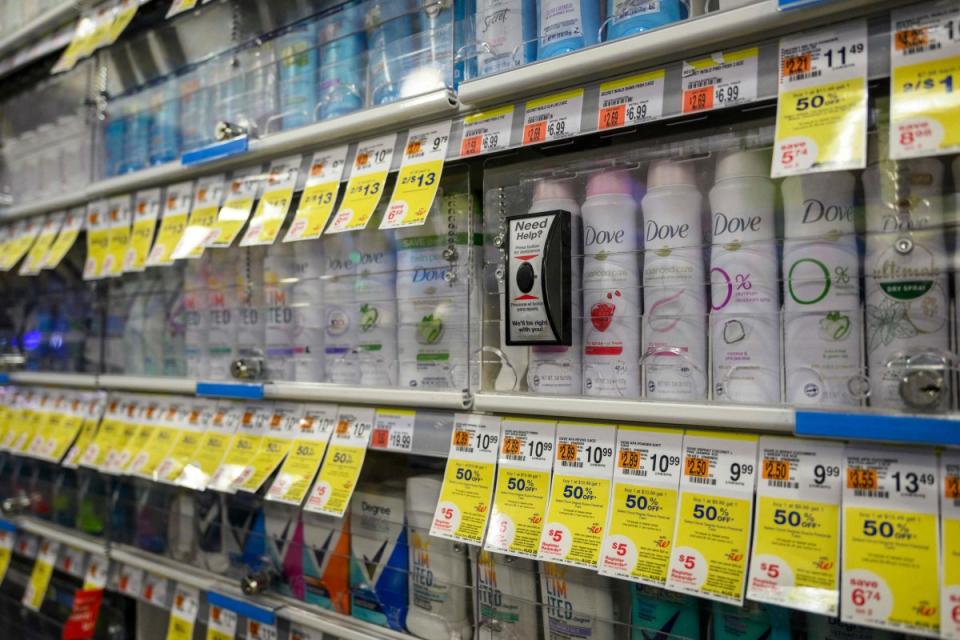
378, 556
751, 622
567, 25
297, 52
656, 614
825, 628
628, 17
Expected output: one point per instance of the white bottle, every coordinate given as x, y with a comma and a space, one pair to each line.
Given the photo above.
555, 370
439, 584
221, 312
432, 297
306, 294
251, 310
375, 307
822, 325
611, 287
337, 292
905, 276
577, 603
506, 596
744, 281
674, 284
195, 318
279, 321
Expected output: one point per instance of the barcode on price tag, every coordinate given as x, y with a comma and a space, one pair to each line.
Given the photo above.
487, 131
553, 117
720, 80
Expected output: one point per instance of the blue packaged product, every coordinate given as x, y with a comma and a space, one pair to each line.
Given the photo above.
164, 123
113, 134
505, 34
137, 138
627, 17
567, 25
343, 43
656, 614
465, 66
259, 106
379, 560
391, 45
297, 53
753, 621
228, 90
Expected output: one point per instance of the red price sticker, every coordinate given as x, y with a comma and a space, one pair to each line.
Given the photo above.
698, 100
612, 117
911, 38
471, 146
535, 132
795, 65
379, 438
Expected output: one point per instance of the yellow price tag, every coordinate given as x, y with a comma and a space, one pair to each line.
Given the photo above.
146, 207
822, 107
371, 164
238, 203
98, 240
122, 17
319, 195
118, 219
7, 533
467, 490
306, 453
38, 252
200, 229
419, 176
25, 233
243, 447
214, 444
176, 206
523, 486
891, 539
642, 516
66, 238
950, 540
274, 203
338, 476
39, 581
186, 443
274, 446
712, 536
183, 613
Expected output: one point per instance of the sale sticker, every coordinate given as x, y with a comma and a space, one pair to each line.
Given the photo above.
180, 6
176, 208
201, 227
126, 426
796, 544
419, 176
221, 623
155, 589
240, 192
183, 613
98, 239
393, 430
642, 518
579, 494
712, 538
49, 229
146, 209
73, 562
69, 232
214, 444
97, 573
277, 438
464, 505
80, 43
338, 476
950, 543
257, 630
925, 58
553, 117
8, 532
119, 216
39, 581
92, 411
168, 423
319, 195
891, 540
65, 430
244, 445
26, 232
275, 202
523, 486
187, 441
720, 80
300, 467
486, 131
822, 106
632, 100
130, 581
371, 164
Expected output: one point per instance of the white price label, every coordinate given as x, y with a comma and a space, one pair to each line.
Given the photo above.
393, 430
486, 132
632, 100
553, 117
720, 80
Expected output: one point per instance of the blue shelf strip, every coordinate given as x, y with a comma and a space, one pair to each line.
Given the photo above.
231, 390
787, 5
215, 151
4, 378
242, 608
9, 527
865, 426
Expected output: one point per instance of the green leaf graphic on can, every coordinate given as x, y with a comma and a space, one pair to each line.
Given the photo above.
826, 281
368, 317
429, 330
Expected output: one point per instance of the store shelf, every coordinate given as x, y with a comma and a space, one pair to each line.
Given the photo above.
341, 626
52, 379
62, 535
148, 384
381, 396
350, 128
159, 566
689, 38
779, 419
